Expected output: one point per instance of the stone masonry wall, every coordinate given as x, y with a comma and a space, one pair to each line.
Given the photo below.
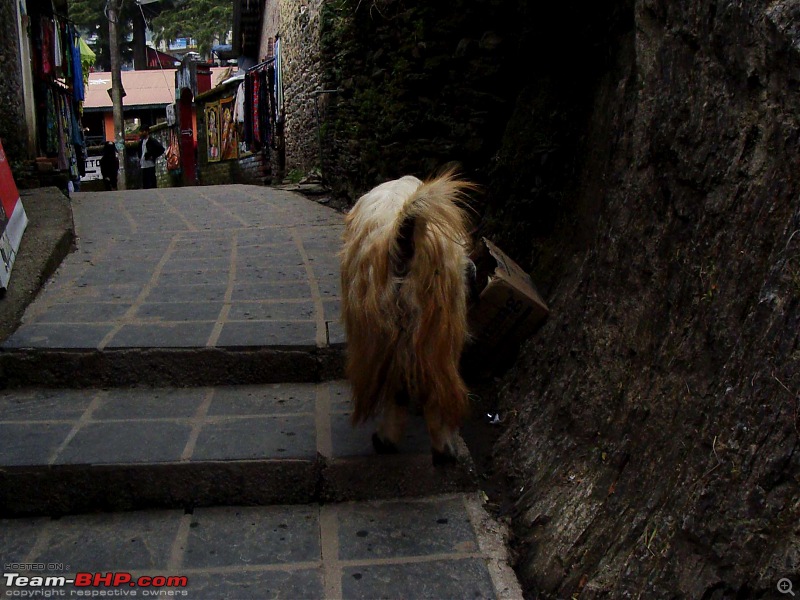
270, 26
253, 169
13, 131
302, 76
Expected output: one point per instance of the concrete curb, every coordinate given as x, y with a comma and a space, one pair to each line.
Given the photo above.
47, 240
493, 542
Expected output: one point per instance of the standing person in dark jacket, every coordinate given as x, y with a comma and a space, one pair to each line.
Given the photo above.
109, 166
149, 150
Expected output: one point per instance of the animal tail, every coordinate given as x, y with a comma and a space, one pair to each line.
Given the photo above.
426, 296
434, 212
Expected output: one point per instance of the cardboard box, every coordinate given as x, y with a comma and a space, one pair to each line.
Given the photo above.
508, 309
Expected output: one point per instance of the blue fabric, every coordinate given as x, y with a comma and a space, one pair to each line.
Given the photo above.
77, 68
77, 132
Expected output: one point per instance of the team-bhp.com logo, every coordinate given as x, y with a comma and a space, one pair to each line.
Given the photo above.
113, 584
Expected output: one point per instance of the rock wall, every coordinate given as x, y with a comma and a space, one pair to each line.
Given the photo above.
639, 157
420, 84
302, 77
297, 24
270, 28
651, 442
13, 128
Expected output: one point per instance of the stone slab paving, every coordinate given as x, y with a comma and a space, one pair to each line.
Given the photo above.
219, 266
74, 450
56, 427
442, 547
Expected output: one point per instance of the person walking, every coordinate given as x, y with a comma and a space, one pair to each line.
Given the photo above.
149, 150
109, 166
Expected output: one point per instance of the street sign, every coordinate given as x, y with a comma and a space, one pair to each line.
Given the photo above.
92, 169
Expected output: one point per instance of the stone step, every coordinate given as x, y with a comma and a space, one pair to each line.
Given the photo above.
445, 546
79, 450
182, 367
225, 284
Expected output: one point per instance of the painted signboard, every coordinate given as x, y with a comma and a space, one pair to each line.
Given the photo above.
13, 220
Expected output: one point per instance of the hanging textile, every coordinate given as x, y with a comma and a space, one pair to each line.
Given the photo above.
77, 137
66, 48
69, 135
63, 162
229, 140
46, 33
58, 56
87, 57
238, 110
256, 111
58, 88
212, 131
278, 80
51, 123
173, 153
263, 113
238, 119
77, 69
271, 114
248, 111
255, 104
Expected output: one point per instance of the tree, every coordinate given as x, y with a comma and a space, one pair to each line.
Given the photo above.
91, 16
203, 20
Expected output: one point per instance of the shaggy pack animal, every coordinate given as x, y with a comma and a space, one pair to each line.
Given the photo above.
404, 307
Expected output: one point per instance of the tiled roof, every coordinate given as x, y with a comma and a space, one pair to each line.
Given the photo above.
142, 88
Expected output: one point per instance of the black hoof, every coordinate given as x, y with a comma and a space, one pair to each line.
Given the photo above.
441, 459
382, 447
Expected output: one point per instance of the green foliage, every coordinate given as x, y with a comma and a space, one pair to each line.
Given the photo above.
87, 13
203, 20
295, 175
91, 16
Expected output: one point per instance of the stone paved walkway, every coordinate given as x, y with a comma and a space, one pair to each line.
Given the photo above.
442, 547
142, 425
221, 266
249, 491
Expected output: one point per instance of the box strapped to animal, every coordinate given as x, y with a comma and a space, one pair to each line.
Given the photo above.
508, 308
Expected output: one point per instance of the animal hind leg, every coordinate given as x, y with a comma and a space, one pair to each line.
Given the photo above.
443, 447
391, 428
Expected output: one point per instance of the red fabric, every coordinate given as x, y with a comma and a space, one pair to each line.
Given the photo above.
47, 46
256, 130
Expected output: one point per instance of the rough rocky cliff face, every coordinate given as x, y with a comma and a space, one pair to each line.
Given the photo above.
652, 442
640, 158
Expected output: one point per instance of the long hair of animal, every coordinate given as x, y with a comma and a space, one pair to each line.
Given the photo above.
404, 298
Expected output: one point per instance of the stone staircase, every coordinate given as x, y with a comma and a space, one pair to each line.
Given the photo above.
143, 429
